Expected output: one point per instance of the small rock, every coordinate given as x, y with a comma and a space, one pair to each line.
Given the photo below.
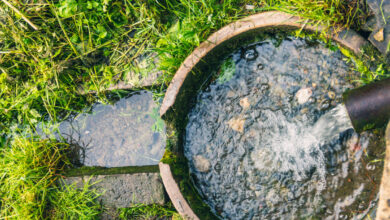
305, 110
312, 100
325, 104
244, 103
202, 164
303, 95
230, 94
249, 7
353, 143
331, 94
237, 124
379, 35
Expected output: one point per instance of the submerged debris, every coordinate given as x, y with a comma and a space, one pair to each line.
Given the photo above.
303, 95
263, 145
237, 124
201, 164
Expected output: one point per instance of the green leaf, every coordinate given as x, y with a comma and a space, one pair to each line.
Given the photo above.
74, 39
89, 5
102, 35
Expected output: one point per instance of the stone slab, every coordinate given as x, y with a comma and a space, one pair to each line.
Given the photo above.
126, 133
381, 11
383, 212
124, 190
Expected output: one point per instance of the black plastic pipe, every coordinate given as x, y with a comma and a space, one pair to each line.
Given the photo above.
369, 106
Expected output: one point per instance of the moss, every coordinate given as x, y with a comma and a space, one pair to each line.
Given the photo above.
169, 157
180, 172
115, 170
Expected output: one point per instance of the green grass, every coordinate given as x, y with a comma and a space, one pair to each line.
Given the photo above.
29, 171
83, 47
330, 13
147, 212
70, 202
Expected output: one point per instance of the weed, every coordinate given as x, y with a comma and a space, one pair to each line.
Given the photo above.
141, 211
69, 202
29, 171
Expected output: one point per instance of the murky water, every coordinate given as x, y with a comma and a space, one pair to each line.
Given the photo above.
270, 139
128, 133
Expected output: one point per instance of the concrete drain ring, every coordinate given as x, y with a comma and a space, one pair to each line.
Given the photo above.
346, 38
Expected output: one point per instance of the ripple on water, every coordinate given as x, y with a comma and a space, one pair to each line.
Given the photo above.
258, 150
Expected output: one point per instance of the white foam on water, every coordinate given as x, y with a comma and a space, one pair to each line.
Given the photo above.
294, 146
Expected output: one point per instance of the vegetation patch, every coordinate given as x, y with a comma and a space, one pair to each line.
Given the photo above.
81, 48
146, 212
29, 170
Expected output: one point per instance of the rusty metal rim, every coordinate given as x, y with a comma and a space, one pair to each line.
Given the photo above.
383, 211
347, 38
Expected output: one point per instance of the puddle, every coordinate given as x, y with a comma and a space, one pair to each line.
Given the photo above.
128, 133
259, 144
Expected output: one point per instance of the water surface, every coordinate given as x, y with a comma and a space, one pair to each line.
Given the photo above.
270, 139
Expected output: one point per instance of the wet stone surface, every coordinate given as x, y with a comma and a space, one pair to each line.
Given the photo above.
379, 24
128, 133
260, 145
124, 190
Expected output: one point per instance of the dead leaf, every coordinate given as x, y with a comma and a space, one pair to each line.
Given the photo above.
379, 35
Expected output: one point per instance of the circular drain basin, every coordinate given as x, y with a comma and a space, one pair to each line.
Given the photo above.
248, 123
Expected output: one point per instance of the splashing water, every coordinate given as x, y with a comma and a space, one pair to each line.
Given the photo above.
292, 145
331, 124
257, 151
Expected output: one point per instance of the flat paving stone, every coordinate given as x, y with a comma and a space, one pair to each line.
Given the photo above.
127, 133
124, 190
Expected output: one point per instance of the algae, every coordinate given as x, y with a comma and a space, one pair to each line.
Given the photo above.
82, 171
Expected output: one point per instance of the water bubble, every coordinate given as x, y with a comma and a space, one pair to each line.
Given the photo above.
260, 66
264, 87
325, 105
250, 54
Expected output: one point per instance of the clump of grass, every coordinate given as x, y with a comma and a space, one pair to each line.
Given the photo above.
193, 22
70, 202
29, 170
148, 212
330, 13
